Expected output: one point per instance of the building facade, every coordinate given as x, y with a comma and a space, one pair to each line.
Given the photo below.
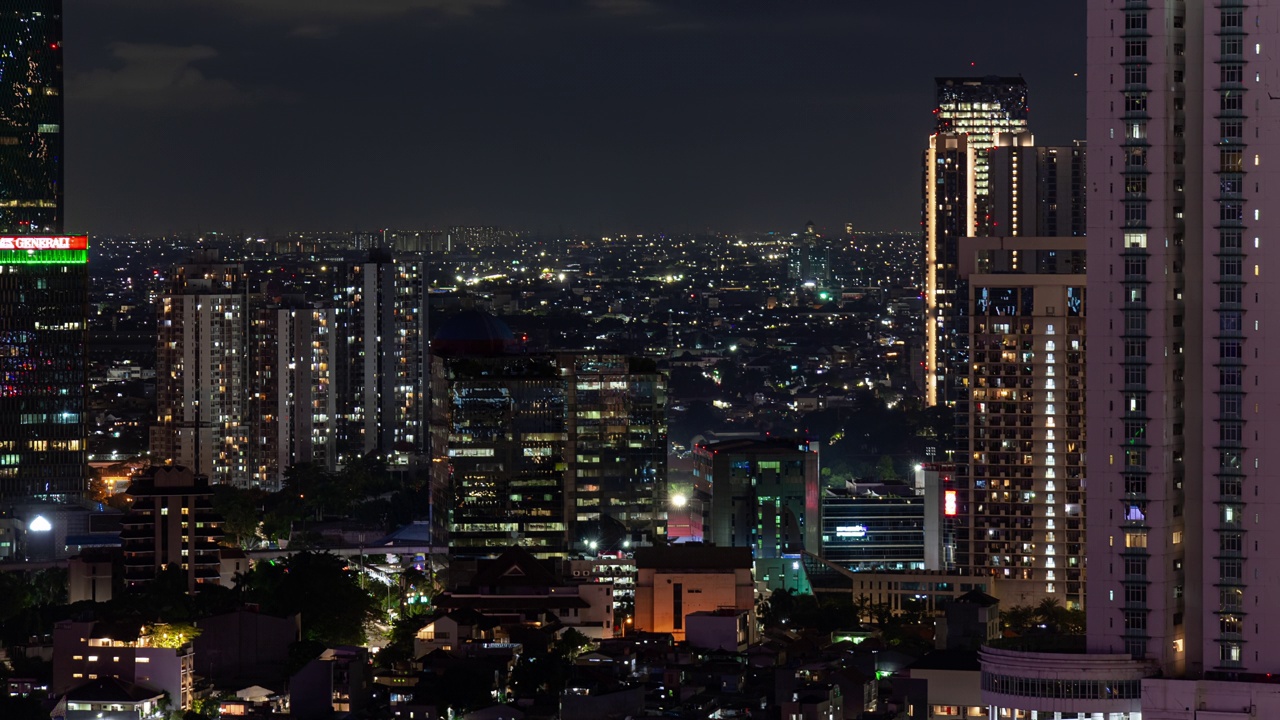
676, 581
809, 258
873, 531
44, 297
203, 371
765, 496
950, 213
1019, 511
31, 164
1037, 190
980, 109
548, 451
171, 524
1181, 484
617, 447
382, 359
293, 403
1181, 343
150, 656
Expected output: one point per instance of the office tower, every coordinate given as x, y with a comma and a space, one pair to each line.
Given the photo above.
981, 109
1019, 510
550, 451
499, 432
809, 258
950, 213
292, 409
203, 371
1181, 353
617, 448
382, 360
171, 523
880, 529
765, 496
31, 117
44, 296
1037, 190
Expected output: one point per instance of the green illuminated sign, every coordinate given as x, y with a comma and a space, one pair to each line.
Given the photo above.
44, 257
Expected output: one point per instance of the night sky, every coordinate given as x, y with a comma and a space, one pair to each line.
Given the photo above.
587, 116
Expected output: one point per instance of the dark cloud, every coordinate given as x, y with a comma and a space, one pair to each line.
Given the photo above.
157, 77
358, 10
594, 115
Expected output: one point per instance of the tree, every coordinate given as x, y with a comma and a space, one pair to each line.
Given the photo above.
241, 513
571, 644
885, 469
14, 595
322, 588
778, 607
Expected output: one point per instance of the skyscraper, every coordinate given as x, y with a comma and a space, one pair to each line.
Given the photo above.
1182, 350
44, 298
44, 279
203, 372
1037, 190
1182, 490
950, 213
981, 108
292, 405
31, 116
809, 258
381, 362
1019, 513
617, 436
500, 432
551, 451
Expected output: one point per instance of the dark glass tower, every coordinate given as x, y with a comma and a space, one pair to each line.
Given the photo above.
44, 279
44, 295
31, 116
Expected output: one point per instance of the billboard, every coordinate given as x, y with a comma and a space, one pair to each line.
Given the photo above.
44, 249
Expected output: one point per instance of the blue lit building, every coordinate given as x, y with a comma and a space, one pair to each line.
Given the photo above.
882, 530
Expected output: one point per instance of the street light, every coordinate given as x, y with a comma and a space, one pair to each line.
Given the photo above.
679, 501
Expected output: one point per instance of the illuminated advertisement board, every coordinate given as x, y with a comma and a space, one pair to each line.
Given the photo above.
949, 503
44, 249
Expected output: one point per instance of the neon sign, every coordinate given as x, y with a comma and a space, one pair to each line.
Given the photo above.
44, 249
44, 242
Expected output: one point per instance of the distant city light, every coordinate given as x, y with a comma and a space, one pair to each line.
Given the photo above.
40, 524
679, 500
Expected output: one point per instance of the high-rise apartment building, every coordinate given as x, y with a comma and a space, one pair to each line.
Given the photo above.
981, 108
809, 258
1182, 490
203, 372
31, 117
1019, 509
293, 406
252, 383
171, 524
950, 213
1183, 469
1036, 190
382, 362
44, 298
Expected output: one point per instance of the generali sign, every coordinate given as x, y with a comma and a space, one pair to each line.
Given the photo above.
44, 242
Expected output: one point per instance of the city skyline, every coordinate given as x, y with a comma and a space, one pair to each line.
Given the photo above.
574, 116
